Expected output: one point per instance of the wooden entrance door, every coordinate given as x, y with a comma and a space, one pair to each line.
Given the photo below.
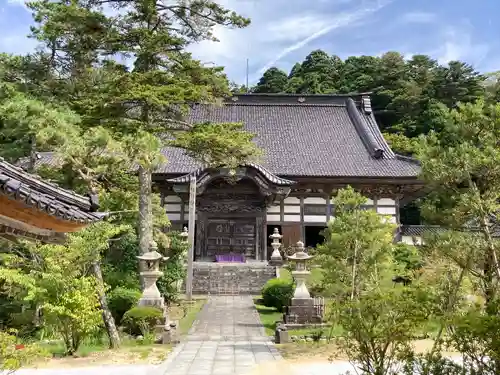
231, 236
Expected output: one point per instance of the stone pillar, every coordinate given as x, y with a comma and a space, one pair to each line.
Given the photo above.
276, 258
185, 237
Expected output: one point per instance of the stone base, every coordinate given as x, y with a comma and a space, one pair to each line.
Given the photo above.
170, 334
281, 335
302, 311
276, 262
231, 278
152, 302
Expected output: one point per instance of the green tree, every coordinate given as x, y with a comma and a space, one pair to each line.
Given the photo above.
273, 80
60, 280
12, 359
319, 73
143, 104
461, 169
379, 320
458, 83
358, 245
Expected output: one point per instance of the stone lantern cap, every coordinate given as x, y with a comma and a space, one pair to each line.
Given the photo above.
300, 254
151, 256
276, 234
184, 233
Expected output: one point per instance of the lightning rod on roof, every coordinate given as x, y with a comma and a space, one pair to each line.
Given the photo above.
247, 76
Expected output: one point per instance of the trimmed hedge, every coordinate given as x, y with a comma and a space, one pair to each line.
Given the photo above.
277, 293
141, 320
120, 300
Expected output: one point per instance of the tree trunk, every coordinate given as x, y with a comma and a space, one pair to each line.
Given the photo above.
107, 317
145, 210
145, 214
491, 268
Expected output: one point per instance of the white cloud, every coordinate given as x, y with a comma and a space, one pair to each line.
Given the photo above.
336, 22
18, 2
278, 28
297, 27
418, 17
458, 44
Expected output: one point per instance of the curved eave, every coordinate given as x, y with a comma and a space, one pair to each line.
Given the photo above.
270, 177
12, 175
20, 192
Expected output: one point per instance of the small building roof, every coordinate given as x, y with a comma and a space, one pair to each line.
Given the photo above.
30, 193
422, 230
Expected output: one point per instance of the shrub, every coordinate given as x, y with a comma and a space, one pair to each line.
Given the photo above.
277, 293
141, 320
13, 357
121, 300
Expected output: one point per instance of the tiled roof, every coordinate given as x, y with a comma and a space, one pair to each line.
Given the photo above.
316, 135
301, 135
18, 185
420, 230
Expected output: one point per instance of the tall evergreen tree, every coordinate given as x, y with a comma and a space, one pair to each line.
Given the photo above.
141, 107
273, 80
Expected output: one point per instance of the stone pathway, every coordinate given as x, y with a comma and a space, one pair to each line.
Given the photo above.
227, 339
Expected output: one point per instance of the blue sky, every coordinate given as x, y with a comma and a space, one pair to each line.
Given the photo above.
285, 31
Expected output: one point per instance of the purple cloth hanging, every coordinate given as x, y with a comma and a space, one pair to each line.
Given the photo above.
230, 258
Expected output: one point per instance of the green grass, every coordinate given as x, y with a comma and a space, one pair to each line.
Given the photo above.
99, 343
187, 321
268, 316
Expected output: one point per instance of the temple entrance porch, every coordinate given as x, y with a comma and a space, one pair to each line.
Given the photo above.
231, 210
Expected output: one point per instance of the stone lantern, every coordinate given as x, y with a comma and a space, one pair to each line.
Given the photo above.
300, 273
301, 309
184, 234
276, 258
151, 296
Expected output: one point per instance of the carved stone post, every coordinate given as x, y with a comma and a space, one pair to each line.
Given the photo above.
184, 236
276, 258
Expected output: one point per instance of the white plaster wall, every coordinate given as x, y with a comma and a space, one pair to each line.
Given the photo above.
387, 210
273, 217
386, 202
292, 200
292, 218
274, 210
315, 200
315, 218
292, 209
172, 198
173, 207
174, 217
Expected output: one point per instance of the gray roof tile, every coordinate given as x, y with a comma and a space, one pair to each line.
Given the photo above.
315, 137
44, 196
301, 135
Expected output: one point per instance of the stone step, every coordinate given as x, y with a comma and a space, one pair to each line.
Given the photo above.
231, 278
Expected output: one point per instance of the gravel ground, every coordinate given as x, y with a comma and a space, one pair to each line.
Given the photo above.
94, 370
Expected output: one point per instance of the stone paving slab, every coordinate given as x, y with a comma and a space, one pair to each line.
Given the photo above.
227, 339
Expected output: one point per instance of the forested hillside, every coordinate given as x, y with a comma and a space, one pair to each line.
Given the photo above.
408, 95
